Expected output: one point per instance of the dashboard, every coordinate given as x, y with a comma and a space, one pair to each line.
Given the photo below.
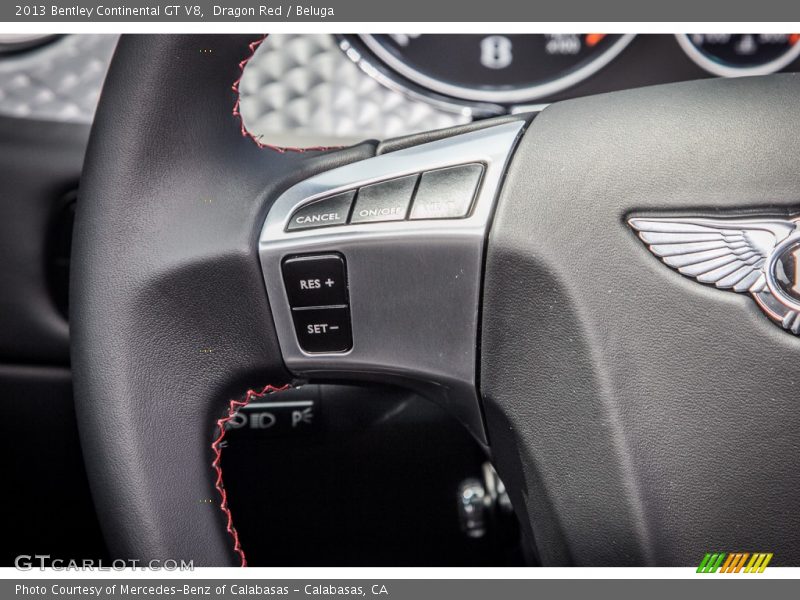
305, 90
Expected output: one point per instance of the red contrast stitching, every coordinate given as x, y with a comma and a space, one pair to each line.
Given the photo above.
253, 46
216, 448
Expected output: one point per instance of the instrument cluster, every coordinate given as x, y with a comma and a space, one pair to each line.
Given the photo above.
496, 73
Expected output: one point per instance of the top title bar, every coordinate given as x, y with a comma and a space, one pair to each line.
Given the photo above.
362, 11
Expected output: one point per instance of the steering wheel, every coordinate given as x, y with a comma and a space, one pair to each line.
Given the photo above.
636, 416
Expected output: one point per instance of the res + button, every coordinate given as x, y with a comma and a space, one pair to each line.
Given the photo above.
315, 280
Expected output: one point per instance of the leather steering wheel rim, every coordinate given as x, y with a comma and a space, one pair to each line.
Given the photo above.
169, 315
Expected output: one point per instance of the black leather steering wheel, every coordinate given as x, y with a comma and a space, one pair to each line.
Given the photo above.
636, 417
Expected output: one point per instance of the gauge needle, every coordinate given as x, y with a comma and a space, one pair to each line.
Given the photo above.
592, 39
794, 38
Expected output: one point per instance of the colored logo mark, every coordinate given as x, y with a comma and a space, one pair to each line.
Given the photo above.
734, 562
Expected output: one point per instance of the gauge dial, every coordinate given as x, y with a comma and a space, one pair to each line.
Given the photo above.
734, 55
502, 69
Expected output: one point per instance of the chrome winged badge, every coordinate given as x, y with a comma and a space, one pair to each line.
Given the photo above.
760, 257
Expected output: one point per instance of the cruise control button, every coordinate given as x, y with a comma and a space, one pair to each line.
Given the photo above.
322, 213
315, 280
446, 193
323, 329
384, 201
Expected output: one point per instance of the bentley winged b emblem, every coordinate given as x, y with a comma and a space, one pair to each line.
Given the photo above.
760, 257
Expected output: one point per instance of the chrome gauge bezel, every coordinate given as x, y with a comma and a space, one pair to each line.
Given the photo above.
12, 43
382, 64
726, 70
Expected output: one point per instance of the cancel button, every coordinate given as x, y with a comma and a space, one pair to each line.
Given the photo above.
322, 213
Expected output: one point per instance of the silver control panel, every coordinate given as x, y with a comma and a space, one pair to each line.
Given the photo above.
373, 269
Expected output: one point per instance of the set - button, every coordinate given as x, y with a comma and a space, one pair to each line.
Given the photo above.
446, 193
323, 329
316, 287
